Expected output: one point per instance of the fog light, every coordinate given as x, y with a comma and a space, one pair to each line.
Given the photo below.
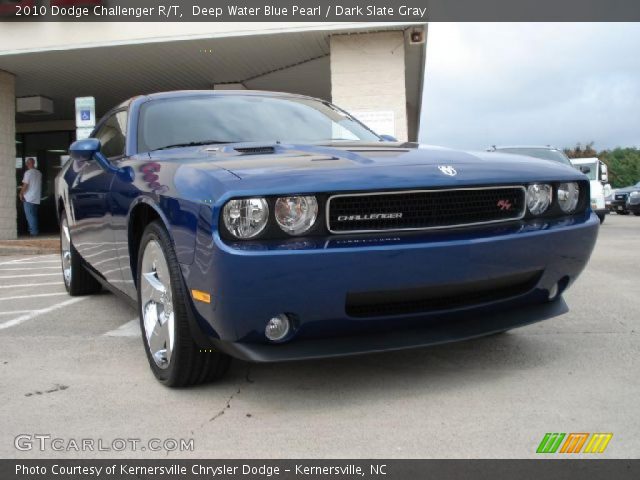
277, 328
553, 292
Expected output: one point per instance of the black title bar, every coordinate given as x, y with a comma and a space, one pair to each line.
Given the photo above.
320, 10
547, 469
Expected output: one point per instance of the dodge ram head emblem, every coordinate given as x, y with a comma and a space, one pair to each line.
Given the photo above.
504, 205
447, 170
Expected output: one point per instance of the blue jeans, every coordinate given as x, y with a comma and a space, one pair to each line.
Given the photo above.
31, 212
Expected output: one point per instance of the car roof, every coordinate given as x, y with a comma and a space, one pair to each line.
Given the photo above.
542, 147
218, 93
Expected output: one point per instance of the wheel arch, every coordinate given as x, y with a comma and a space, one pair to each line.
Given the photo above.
142, 212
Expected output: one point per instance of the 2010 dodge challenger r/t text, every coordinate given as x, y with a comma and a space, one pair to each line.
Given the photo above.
269, 227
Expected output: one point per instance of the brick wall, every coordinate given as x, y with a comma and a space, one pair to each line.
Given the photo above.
368, 74
8, 190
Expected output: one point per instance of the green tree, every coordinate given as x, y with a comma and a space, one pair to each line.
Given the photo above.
623, 164
581, 152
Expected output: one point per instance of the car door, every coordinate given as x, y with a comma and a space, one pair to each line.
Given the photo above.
91, 222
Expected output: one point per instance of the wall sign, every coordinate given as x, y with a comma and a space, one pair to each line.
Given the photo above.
85, 112
83, 132
383, 122
85, 116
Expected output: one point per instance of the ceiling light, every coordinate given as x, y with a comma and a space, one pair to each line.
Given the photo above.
35, 105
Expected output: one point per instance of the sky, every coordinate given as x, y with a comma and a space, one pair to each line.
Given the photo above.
532, 84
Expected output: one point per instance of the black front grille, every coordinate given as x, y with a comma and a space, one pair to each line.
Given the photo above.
440, 297
418, 210
621, 196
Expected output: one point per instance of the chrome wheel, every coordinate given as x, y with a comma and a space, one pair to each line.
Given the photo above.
65, 251
157, 304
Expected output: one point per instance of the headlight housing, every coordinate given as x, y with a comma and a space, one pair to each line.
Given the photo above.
539, 197
296, 215
246, 217
634, 193
568, 196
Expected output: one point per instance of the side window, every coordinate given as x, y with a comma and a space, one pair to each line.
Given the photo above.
111, 135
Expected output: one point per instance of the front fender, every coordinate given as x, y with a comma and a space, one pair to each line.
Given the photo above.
180, 219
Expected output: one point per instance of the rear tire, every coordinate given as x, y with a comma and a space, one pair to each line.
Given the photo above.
622, 212
174, 357
637, 214
77, 279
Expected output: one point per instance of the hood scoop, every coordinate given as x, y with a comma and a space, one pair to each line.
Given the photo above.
255, 150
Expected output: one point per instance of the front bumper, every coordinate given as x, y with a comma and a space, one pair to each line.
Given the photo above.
618, 205
433, 333
310, 279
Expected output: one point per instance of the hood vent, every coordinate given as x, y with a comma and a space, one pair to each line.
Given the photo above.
255, 150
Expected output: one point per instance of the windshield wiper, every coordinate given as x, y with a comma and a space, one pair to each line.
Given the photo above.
193, 144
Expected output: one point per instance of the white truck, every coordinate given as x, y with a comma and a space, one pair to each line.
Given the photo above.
598, 175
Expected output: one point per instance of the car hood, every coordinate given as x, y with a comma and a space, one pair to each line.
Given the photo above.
627, 189
280, 168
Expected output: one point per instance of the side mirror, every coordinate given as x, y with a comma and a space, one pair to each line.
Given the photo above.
604, 175
89, 148
84, 149
388, 138
585, 169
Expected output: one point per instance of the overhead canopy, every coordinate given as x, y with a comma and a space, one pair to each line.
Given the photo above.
295, 61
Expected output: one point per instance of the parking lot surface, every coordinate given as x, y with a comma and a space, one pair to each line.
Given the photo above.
74, 368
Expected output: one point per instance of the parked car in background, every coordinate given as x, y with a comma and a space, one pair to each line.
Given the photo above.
626, 200
272, 226
608, 199
544, 152
598, 175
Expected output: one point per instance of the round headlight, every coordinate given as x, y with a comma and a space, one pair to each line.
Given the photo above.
246, 217
538, 198
568, 196
296, 215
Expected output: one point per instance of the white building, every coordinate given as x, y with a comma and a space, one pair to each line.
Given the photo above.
367, 68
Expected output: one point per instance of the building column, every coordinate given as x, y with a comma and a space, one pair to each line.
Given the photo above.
8, 190
368, 75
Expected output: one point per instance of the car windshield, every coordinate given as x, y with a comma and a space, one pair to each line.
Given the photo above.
193, 120
544, 153
593, 169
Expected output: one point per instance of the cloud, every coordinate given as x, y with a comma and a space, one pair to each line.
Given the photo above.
531, 84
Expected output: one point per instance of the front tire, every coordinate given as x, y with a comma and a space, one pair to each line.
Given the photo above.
77, 280
173, 355
601, 216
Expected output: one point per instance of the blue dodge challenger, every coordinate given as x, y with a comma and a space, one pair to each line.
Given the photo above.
271, 227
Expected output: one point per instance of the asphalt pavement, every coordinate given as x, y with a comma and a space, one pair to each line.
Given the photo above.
73, 370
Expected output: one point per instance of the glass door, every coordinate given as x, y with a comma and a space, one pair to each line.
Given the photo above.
50, 151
